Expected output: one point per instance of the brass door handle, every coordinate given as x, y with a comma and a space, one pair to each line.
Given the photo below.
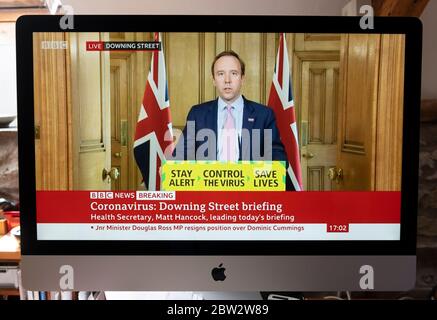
335, 174
118, 154
113, 174
332, 173
308, 155
339, 175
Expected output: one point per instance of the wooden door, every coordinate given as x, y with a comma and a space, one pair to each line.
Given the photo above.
119, 122
90, 96
370, 118
319, 99
357, 125
128, 72
53, 156
316, 81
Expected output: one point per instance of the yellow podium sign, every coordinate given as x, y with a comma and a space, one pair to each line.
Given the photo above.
223, 176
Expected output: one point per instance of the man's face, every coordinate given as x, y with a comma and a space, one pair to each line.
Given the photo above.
228, 78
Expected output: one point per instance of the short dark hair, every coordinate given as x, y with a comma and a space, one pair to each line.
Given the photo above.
228, 53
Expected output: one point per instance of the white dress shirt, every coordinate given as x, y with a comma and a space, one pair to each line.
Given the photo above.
237, 113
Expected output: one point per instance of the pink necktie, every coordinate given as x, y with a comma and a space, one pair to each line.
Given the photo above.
229, 138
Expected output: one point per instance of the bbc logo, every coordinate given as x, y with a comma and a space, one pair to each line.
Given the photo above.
54, 45
101, 195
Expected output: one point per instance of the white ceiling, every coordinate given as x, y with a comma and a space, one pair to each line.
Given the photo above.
212, 7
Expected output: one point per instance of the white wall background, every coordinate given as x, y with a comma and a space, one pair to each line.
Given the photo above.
217, 7
8, 87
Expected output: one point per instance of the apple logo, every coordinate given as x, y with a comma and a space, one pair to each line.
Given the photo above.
218, 274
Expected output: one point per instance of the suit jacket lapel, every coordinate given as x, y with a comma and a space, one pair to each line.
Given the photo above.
248, 121
211, 121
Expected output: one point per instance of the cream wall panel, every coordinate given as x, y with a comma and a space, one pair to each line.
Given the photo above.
183, 70
249, 47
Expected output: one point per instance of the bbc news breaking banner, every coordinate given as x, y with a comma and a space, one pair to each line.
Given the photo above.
188, 215
226, 209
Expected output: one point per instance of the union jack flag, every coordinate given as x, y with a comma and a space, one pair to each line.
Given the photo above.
281, 101
153, 134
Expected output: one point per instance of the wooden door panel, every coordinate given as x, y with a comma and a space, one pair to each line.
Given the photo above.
129, 72
317, 42
319, 113
388, 171
316, 104
184, 73
52, 119
90, 112
358, 110
119, 113
90, 171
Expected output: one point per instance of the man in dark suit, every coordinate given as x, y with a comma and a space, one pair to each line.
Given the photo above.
230, 128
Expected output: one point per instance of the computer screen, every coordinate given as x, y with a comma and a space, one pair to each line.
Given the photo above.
232, 153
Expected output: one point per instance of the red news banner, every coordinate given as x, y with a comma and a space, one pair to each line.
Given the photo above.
331, 208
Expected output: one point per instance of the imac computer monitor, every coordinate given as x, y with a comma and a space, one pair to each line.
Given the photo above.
218, 153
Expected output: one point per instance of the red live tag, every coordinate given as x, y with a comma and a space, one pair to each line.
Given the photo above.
94, 46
